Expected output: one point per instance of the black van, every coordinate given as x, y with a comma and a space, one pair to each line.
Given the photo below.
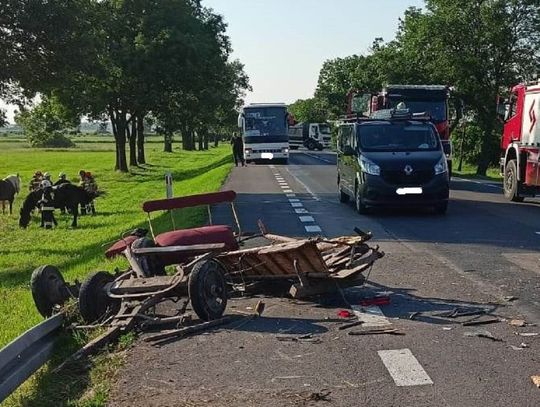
392, 160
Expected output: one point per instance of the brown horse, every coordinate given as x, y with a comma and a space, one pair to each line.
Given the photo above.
9, 187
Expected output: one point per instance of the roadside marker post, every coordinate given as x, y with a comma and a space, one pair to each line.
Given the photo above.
168, 185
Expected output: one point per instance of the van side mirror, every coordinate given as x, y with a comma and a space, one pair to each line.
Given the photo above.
240, 121
348, 151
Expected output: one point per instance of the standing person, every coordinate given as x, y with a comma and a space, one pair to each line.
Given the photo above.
47, 205
88, 183
35, 182
62, 179
238, 149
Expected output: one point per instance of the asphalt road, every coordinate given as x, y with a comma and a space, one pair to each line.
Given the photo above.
475, 258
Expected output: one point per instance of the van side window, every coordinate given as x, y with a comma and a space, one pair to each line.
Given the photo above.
513, 105
344, 137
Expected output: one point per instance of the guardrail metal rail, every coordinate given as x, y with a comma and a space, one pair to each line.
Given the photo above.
26, 354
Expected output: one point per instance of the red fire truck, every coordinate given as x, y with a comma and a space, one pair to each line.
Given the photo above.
520, 143
431, 99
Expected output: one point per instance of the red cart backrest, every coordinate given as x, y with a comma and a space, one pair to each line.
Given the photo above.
212, 198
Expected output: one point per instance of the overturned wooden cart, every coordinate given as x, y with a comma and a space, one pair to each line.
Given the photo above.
209, 266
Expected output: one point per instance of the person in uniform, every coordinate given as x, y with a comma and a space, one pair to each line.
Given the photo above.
62, 179
46, 204
238, 150
88, 183
35, 181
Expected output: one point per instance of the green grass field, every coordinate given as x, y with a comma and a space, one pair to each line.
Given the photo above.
78, 252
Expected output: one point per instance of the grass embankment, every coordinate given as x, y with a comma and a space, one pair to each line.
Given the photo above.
469, 171
80, 251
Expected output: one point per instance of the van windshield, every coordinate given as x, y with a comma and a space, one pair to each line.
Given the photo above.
397, 137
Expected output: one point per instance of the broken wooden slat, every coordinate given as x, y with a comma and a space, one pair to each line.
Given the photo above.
174, 333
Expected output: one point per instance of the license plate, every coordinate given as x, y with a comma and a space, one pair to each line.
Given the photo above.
409, 191
267, 156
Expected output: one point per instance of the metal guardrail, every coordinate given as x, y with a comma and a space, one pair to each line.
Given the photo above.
26, 354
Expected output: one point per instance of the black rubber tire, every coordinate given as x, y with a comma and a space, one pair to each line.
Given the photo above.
320, 147
358, 204
310, 145
208, 289
151, 265
343, 197
93, 300
48, 289
511, 183
441, 208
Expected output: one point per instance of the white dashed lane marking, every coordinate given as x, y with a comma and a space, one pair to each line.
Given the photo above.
297, 204
404, 367
306, 219
313, 229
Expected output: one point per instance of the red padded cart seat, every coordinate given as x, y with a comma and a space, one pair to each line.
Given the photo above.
117, 248
202, 235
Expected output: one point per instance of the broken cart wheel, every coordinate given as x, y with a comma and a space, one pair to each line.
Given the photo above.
48, 289
93, 299
208, 290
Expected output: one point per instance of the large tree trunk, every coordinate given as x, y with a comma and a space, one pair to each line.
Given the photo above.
132, 137
168, 140
140, 140
486, 147
205, 138
216, 140
118, 120
200, 140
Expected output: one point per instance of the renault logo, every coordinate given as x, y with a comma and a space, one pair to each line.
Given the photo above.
408, 170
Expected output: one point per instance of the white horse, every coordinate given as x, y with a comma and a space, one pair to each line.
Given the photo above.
9, 187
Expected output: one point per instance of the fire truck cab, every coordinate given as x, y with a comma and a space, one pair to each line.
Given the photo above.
520, 143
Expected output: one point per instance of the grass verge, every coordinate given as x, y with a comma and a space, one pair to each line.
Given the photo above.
469, 171
79, 252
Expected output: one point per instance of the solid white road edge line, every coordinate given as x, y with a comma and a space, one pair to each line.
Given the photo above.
404, 367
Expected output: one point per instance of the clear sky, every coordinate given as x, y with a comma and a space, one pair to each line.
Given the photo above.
283, 43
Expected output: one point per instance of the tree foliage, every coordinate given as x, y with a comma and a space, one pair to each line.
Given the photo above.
45, 124
477, 46
125, 60
308, 110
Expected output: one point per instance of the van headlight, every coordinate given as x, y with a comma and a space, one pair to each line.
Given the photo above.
369, 167
441, 167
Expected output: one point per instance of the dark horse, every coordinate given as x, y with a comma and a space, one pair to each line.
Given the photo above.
9, 187
65, 196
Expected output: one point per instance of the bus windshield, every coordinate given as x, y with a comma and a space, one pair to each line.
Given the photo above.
265, 121
397, 137
435, 108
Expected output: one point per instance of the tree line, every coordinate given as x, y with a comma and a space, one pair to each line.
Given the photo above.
129, 61
480, 47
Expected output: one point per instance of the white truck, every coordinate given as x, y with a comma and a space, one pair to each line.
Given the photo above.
310, 135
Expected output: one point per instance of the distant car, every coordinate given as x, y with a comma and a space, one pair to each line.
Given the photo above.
395, 160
